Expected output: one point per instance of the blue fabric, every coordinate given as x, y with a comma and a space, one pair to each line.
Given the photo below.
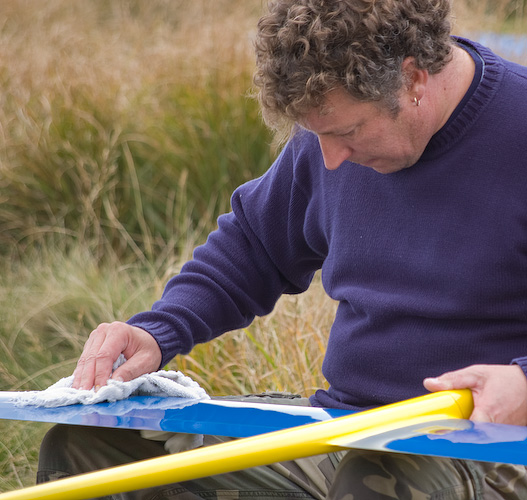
429, 264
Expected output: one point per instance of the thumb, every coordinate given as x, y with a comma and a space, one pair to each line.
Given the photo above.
129, 370
137, 365
442, 383
465, 378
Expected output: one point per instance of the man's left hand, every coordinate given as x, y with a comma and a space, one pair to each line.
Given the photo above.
499, 391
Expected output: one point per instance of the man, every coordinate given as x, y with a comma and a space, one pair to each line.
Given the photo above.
418, 222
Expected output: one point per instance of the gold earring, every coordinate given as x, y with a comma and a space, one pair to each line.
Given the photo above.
417, 102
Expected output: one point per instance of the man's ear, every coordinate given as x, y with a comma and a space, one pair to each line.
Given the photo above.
415, 79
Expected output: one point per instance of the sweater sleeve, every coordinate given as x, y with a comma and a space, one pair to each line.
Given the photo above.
522, 363
257, 253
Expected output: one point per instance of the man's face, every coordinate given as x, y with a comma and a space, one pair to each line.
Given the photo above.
365, 133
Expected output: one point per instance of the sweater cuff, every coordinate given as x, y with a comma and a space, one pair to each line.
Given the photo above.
522, 363
162, 335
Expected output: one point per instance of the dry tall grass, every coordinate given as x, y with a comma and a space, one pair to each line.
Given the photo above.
121, 121
95, 94
491, 15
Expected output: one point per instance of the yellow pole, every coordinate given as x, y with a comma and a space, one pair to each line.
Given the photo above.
287, 444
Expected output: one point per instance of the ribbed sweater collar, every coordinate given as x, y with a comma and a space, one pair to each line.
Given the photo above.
455, 129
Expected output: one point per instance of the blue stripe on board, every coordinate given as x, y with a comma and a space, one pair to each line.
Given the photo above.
455, 438
225, 418
479, 441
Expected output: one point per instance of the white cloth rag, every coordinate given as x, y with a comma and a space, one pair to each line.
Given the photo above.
162, 383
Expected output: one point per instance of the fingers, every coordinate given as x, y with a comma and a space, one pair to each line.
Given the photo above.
104, 347
499, 391
142, 353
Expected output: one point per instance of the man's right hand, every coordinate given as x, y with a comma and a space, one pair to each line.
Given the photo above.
104, 346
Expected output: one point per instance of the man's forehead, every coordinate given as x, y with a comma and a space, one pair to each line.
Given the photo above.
325, 109
331, 100
336, 115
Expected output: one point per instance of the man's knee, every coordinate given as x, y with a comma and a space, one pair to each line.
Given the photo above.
68, 450
53, 462
370, 474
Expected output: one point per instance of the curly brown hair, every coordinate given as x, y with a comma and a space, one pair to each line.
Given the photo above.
305, 48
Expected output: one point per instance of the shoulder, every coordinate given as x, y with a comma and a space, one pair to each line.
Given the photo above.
497, 67
299, 160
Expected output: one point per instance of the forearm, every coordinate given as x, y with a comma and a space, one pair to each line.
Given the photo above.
258, 252
229, 281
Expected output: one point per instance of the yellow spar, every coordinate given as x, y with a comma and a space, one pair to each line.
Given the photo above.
287, 444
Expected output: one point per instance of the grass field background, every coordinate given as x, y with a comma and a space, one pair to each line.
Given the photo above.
124, 128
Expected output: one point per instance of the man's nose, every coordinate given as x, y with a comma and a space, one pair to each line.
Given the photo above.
334, 152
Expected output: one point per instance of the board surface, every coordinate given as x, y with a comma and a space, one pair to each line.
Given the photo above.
215, 417
430, 425
457, 438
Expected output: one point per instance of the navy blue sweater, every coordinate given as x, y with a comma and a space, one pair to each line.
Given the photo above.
429, 264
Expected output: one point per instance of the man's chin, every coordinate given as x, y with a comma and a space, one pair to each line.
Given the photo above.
383, 167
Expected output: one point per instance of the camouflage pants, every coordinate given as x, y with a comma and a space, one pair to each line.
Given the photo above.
352, 475
384, 476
